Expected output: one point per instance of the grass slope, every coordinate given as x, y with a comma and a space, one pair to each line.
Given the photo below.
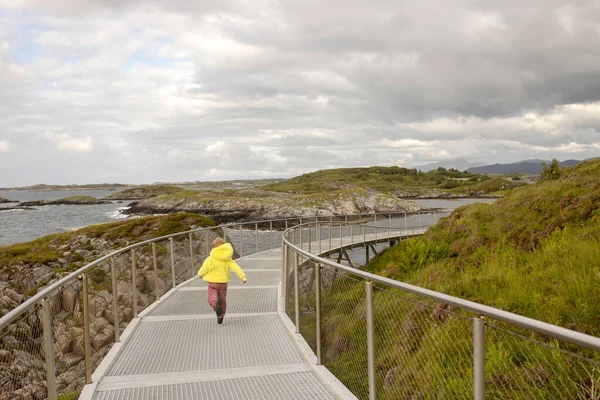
389, 179
535, 252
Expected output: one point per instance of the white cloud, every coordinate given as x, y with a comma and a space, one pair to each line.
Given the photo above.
67, 143
4, 146
217, 148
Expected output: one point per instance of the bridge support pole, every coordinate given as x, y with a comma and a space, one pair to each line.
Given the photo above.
347, 258
371, 342
318, 310
49, 350
366, 253
115, 295
297, 292
479, 358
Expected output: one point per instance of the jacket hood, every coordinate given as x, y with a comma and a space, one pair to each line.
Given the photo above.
223, 252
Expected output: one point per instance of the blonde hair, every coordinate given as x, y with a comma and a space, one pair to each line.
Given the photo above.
217, 242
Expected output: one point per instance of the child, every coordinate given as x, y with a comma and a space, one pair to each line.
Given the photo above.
215, 271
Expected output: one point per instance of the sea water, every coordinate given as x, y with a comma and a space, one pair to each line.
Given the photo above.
24, 225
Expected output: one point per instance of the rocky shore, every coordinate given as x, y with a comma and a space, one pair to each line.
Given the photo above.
226, 206
3, 200
423, 194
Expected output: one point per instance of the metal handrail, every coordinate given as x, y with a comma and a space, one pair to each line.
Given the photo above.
554, 331
23, 307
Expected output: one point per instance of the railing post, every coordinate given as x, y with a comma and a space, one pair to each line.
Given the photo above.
420, 224
351, 235
286, 224
318, 310
309, 239
49, 350
192, 254
330, 227
284, 273
301, 229
297, 292
155, 270
364, 234
389, 229
241, 242
479, 358
271, 229
341, 239
256, 234
405, 225
173, 258
294, 236
435, 218
113, 273
319, 235
86, 329
134, 283
371, 342
376, 228
207, 244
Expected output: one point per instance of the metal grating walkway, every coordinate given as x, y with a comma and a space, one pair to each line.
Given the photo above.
177, 350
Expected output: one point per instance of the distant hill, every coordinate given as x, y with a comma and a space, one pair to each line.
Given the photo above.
96, 186
460, 164
528, 167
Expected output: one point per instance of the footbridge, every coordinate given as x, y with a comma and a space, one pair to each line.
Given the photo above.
309, 324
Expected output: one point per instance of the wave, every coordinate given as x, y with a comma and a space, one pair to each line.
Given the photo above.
12, 210
117, 214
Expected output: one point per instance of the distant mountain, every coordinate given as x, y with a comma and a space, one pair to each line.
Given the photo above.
526, 167
460, 164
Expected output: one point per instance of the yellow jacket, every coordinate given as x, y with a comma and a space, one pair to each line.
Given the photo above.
216, 267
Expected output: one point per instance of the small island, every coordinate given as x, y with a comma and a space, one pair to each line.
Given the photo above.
145, 192
4, 201
73, 200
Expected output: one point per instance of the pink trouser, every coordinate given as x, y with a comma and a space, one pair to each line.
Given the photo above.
217, 291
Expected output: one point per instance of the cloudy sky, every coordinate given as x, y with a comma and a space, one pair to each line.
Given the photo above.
131, 91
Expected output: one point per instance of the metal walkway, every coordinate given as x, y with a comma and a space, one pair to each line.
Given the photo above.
176, 350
